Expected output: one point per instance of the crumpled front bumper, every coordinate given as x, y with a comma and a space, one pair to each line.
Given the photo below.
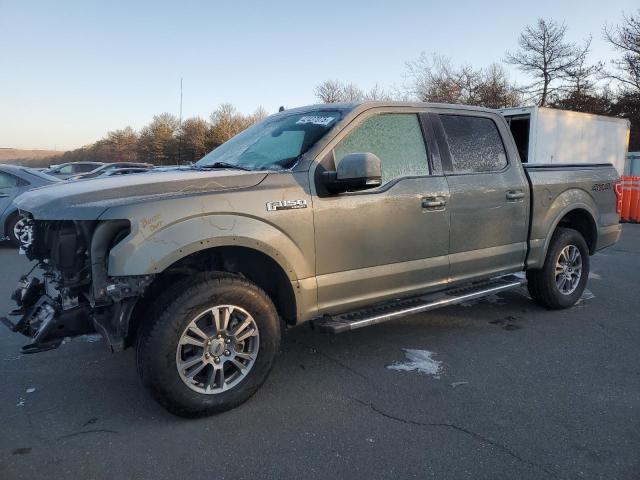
41, 318
47, 317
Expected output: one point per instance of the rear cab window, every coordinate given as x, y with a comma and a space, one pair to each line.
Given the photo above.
474, 144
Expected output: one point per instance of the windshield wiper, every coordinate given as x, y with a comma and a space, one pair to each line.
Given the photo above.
225, 165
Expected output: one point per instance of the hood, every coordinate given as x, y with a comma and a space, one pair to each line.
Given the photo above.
88, 199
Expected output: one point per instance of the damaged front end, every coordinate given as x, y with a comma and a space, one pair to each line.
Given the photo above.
71, 293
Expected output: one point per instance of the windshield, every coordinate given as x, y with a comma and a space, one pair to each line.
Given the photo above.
41, 175
273, 144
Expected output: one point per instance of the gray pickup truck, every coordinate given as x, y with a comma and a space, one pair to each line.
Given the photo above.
345, 215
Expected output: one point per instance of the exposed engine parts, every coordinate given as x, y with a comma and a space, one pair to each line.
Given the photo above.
72, 294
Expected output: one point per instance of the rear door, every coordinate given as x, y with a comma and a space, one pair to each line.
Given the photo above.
389, 241
489, 201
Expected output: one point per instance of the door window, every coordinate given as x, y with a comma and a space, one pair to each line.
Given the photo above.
8, 181
474, 144
84, 167
395, 138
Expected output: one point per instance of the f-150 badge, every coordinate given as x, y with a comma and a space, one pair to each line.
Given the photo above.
286, 205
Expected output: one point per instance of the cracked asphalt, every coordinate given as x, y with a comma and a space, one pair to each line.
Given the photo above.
547, 395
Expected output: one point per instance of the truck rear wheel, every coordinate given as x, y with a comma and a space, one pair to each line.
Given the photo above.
209, 345
563, 277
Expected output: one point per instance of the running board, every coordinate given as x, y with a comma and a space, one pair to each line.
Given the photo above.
392, 310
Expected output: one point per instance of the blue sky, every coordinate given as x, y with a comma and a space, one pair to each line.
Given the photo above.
71, 71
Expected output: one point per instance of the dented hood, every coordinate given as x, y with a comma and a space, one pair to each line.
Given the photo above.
88, 199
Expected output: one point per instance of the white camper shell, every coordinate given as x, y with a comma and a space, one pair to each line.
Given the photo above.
549, 135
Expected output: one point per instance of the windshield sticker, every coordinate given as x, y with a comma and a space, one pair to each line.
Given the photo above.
315, 120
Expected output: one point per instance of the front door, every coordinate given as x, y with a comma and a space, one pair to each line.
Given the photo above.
390, 241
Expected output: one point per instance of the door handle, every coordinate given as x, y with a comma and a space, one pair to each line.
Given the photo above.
432, 203
515, 194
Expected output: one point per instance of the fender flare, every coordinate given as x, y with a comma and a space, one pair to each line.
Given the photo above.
145, 252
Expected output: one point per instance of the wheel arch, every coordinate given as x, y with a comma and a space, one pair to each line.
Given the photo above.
573, 208
252, 264
578, 217
581, 220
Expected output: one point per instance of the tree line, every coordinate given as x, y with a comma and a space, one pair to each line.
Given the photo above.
166, 140
559, 73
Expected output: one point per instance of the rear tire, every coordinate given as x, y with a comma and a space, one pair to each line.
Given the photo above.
563, 277
233, 344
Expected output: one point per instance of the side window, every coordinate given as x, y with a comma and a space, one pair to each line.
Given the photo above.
84, 168
474, 144
395, 138
66, 170
8, 181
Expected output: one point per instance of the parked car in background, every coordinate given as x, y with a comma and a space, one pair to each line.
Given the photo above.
15, 180
67, 170
123, 171
109, 167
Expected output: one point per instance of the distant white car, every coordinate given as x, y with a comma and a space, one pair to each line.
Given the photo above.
108, 167
67, 170
123, 171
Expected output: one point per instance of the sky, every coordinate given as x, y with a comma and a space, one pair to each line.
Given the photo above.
71, 71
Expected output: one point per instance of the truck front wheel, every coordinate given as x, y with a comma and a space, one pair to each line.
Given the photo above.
208, 344
563, 277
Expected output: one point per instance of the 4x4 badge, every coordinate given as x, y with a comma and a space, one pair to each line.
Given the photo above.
286, 205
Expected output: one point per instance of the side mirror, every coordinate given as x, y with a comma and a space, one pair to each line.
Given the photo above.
355, 171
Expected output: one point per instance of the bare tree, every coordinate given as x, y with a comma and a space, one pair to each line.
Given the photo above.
547, 56
435, 79
625, 39
329, 91
352, 93
580, 78
335, 91
377, 93
495, 90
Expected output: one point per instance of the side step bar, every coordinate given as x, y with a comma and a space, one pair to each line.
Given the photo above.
387, 311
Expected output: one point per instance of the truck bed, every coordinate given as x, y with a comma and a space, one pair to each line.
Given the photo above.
558, 187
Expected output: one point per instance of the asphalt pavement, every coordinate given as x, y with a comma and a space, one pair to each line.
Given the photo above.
508, 390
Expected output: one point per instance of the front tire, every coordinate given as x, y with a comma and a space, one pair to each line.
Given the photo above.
208, 345
563, 277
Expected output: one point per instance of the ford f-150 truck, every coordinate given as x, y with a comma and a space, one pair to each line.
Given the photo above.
344, 215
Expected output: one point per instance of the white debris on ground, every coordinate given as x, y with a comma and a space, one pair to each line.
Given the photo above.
457, 384
20, 402
586, 295
595, 276
420, 360
31, 390
91, 338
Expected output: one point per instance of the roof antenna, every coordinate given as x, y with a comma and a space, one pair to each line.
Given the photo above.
281, 109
